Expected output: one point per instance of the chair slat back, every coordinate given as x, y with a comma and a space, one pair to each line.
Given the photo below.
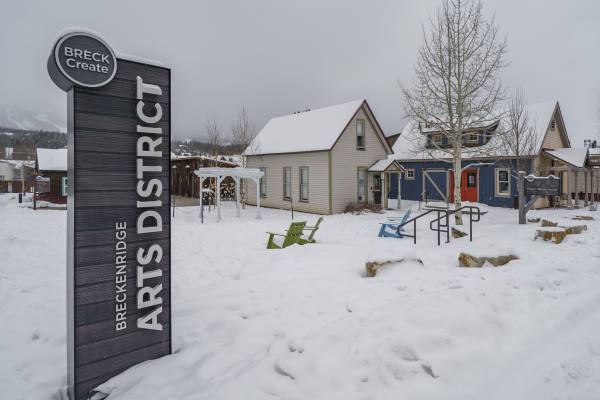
294, 233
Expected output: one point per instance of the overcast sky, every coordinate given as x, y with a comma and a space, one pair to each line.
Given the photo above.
280, 56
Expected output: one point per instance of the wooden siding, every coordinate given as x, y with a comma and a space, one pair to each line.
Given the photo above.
318, 180
412, 189
346, 159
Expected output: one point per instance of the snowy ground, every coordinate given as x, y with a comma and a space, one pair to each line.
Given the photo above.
304, 323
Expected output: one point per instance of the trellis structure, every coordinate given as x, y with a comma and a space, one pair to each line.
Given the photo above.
237, 174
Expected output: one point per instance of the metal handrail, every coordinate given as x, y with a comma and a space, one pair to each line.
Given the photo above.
446, 213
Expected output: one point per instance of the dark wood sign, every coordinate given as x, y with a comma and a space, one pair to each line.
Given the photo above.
42, 184
542, 185
119, 242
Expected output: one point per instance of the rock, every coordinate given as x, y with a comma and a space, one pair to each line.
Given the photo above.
501, 260
545, 223
574, 230
533, 220
557, 235
456, 234
583, 218
469, 261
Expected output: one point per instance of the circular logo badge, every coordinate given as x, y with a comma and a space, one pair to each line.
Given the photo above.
83, 59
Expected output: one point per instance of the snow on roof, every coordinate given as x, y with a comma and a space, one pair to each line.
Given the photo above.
594, 151
381, 165
52, 159
312, 130
574, 156
411, 143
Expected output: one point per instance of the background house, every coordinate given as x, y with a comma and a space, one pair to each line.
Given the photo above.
491, 177
52, 163
320, 160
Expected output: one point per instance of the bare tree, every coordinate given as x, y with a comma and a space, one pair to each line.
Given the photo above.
214, 134
519, 137
457, 88
243, 132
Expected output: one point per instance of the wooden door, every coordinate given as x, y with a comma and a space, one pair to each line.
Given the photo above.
469, 186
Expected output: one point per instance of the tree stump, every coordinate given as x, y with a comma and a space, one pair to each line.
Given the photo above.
554, 234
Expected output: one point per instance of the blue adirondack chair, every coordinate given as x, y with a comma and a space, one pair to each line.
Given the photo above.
390, 229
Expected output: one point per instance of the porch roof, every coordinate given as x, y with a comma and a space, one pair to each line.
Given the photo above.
385, 165
575, 157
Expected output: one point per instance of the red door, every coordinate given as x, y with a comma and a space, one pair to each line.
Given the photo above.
469, 186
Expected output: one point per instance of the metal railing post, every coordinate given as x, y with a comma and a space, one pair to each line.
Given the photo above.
415, 228
447, 227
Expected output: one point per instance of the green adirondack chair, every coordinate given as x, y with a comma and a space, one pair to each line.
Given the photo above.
313, 230
292, 235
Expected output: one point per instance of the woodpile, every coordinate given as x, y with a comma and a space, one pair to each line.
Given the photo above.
469, 261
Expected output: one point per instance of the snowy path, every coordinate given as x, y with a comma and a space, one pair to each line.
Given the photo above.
303, 323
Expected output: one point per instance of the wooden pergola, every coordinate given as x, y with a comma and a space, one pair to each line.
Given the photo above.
237, 174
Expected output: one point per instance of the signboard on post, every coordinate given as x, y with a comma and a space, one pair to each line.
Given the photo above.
535, 186
119, 230
42, 184
542, 185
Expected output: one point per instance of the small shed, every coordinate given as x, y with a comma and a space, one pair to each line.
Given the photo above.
52, 164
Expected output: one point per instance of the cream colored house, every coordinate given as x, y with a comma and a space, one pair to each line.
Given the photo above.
322, 160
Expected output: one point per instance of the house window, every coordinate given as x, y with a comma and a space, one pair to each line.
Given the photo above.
362, 184
360, 134
437, 139
502, 182
63, 185
303, 183
472, 138
263, 182
287, 183
553, 124
428, 125
409, 174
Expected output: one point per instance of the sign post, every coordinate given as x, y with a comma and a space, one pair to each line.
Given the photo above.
535, 186
119, 229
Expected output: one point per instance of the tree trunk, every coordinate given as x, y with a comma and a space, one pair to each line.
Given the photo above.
457, 183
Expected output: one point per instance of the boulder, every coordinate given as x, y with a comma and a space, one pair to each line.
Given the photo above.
469, 261
456, 234
583, 218
533, 220
554, 234
546, 223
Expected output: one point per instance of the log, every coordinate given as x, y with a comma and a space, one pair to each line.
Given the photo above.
456, 234
533, 220
372, 267
575, 229
546, 223
583, 218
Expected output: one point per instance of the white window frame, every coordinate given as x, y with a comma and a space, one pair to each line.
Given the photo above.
472, 138
303, 185
262, 187
362, 123
363, 186
64, 185
287, 185
497, 182
409, 178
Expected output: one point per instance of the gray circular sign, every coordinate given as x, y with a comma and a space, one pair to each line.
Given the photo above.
81, 59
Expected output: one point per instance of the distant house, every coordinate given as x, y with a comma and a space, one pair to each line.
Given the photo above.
322, 160
489, 174
52, 163
13, 174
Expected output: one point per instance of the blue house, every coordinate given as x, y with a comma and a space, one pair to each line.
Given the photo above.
489, 167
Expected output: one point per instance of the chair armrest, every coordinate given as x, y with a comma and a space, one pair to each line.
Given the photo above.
276, 234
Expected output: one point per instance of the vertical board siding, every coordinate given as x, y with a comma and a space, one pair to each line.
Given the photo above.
102, 191
346, 159
412, 189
